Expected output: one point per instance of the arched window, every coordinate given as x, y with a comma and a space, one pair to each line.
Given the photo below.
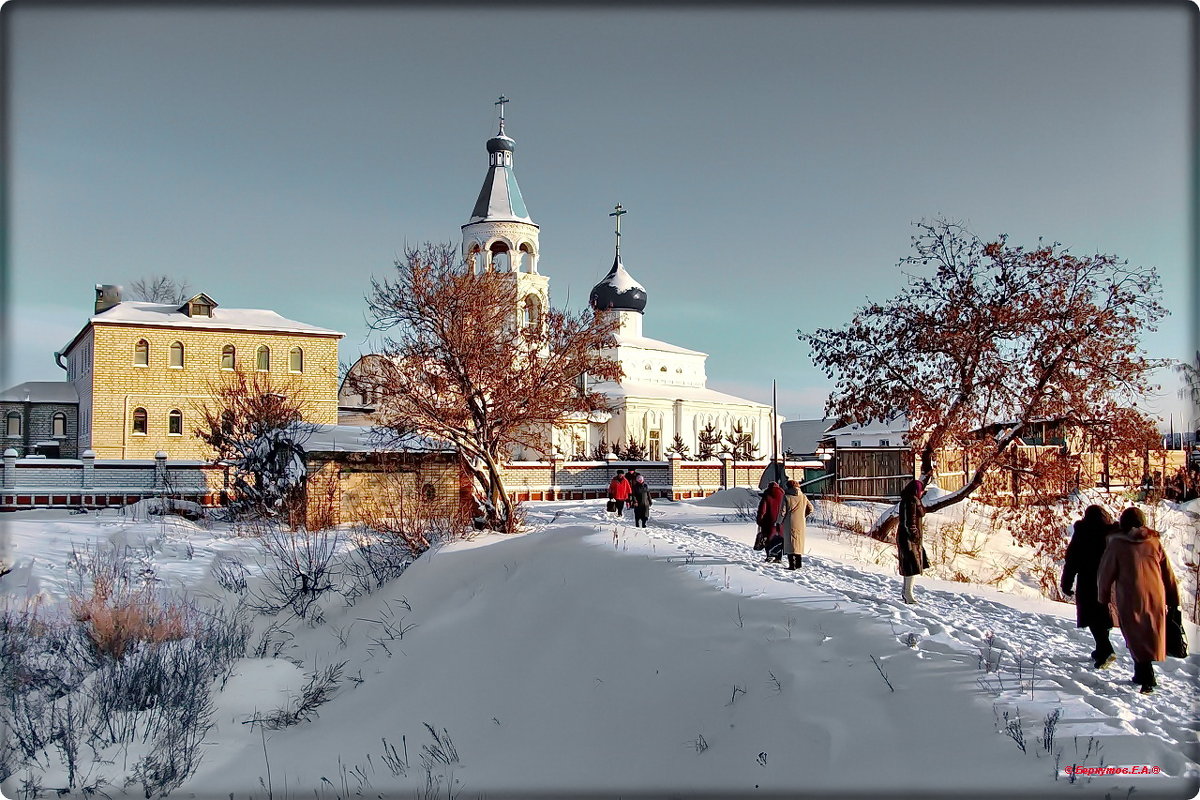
12, 424
176, 359
227, 354
139, 420
531, 312
296, 360
58, 424
263, 358
175, 422
141, 353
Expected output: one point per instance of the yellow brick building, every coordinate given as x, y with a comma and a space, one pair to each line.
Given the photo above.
145, 371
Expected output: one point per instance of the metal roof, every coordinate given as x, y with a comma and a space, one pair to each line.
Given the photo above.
41, 392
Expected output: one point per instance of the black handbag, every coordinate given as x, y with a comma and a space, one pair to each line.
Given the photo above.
760, 541
1177, 646
612, 505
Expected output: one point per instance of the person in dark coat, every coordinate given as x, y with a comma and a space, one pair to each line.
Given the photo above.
1082, 566
618, 491
1135, 567
909, 549
641, 502
770, 510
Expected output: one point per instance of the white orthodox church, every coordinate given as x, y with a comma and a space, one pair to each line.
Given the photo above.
664, 390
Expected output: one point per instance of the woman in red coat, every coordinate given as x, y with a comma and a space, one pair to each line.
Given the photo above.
769, 512
1136, 568
618, 491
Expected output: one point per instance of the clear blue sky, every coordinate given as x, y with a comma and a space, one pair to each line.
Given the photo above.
771, 159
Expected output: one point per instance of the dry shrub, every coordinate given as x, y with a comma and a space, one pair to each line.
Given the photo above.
116, 619
320, 507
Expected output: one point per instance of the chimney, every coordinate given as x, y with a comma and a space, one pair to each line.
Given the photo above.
107, 296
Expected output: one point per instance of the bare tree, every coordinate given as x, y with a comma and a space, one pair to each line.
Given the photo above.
255, 424
159, 289
458, 366
998, 333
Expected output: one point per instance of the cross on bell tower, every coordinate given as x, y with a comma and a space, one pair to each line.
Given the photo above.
501, 103
618, 212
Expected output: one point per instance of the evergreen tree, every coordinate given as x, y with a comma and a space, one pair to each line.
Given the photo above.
602, 449
677, 446
741, 444
708, 443
634, 450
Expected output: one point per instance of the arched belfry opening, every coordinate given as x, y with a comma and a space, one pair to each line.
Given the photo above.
527, 259
500, 257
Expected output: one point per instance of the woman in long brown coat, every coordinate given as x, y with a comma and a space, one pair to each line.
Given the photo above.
909, 548
1135, 566
1083, 563
796, 506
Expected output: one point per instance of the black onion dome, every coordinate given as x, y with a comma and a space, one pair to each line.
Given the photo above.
618, 291
500, 142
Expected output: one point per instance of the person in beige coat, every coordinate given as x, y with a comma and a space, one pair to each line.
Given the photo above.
795, 508
1136, 568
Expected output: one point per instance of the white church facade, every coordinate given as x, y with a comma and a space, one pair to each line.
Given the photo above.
663, 392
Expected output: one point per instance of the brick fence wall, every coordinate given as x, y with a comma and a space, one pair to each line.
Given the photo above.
674, 478
89, 482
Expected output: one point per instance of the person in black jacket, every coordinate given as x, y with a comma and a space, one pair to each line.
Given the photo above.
1081, 567
909, 548
640, 499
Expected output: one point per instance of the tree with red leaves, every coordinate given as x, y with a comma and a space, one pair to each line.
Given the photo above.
460, 366
998, 333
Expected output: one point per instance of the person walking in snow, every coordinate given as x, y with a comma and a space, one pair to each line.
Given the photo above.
618, 491
770, 509
1082, 567
1135, 567
796, 507
909, 549
641, 502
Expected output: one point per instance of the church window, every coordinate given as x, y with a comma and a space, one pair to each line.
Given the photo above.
855, 443
654, 442
175, 422
139, 421
263, 358
12, 424
58, 424
296, 360
531, 312
662, 369
177, 354
141, 353
885, 442
227, 354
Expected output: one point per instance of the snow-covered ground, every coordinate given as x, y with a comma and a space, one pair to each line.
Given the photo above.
591, 657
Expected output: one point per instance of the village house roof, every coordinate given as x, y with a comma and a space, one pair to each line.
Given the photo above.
364, 439
172, 315
41, 392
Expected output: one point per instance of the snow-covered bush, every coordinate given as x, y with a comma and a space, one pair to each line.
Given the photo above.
299, 568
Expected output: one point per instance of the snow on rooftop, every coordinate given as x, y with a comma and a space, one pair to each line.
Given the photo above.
621, 280
136, 312
699, 394
645, 343
41, 392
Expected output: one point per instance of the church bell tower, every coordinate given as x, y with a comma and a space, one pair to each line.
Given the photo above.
500, 235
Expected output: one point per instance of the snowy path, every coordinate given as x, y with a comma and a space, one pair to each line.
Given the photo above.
958, 624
